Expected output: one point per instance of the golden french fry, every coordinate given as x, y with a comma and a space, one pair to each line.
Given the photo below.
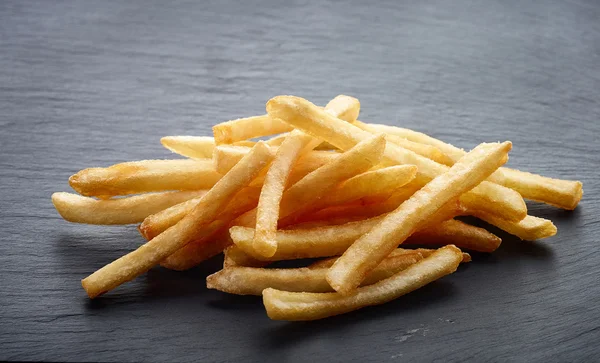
212, 241
560, 193
318, 183
248, 128
145, 257
426, 252
252, 280
295, 144
157, 223
328, 262
457, 233
196, 147
529, 229
78, 209
428, 151
226, 156
283, 305
369, 250
240, 258
370, 186
334, 240
267, 211
305, 116
557, 192
145, 176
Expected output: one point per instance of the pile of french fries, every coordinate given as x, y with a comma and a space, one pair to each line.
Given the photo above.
319, 185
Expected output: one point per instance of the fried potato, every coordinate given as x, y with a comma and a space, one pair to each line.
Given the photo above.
496, 199
369, 250
145, 257
252, 281
529, 229
196, 147
157, 223
318, 183
283, 305
248, 128
423, 252
295, 144
78, 209
428, 151
210, 242
334, 240
564, 194
226, 156
371, 186
267, 211
145, 176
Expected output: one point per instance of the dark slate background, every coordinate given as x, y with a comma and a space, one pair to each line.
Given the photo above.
85, 83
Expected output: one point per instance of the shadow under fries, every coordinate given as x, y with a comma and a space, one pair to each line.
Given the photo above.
89, 248
284, 334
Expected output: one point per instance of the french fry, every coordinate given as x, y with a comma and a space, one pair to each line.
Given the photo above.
212, 241
529, 229
428, 151
370, 186
145, 176
398, 252
196, 147
252, 281
328, 262
226, 156
267, 211
145, 257
78, 209
248, 128
318, 183
304, 115
334, 240
369, 250
283, 305
157, 223
295, 144
560, 193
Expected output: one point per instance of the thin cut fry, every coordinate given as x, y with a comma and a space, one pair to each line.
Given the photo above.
424, 252
212, 241
196, 147
334, 240
317, 184
282, 305
248, 128
369, 250
267, 211
428, 151
145, 176
557, 192
78, 209
295, 144
145, 257
371, 186
252, 281
529, 229
157, 223
304, 115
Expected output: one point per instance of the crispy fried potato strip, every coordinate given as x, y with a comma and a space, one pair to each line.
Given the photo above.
196, 147
145, 176
248, 128
145, 257
560, 193
318, 183
295, 144
252, 281
78, 209
369, 250
529, 229
300, 113
284, 305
